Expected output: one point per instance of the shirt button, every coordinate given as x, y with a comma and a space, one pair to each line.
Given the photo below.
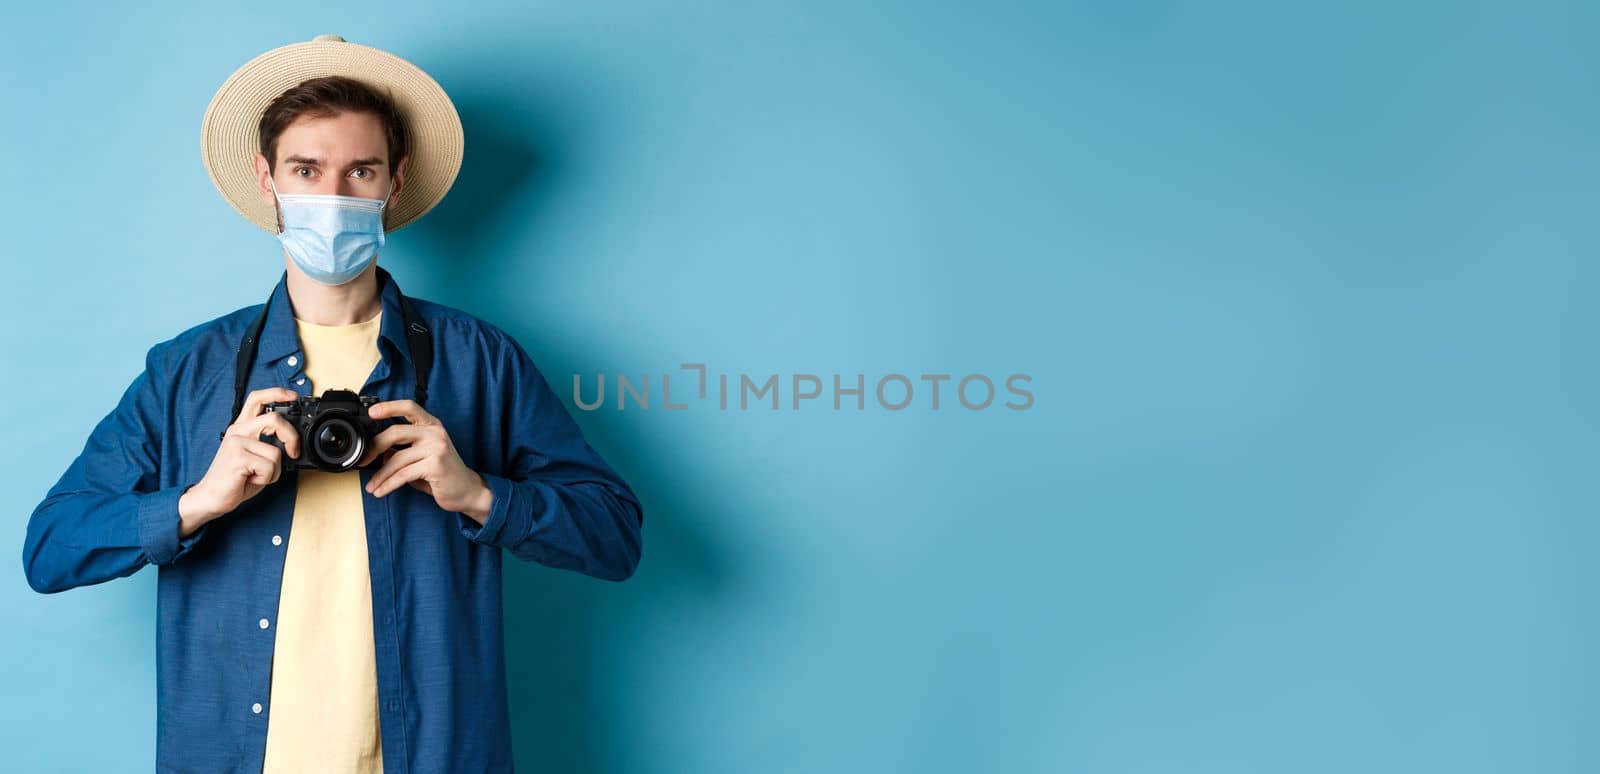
263, 623
293, 360
394, 705
300, 381
277, 540
256, 708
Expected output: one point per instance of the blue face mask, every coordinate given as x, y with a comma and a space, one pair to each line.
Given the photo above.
332, 238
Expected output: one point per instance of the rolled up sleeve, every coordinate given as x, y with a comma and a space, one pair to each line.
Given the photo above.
107, 517
558, 503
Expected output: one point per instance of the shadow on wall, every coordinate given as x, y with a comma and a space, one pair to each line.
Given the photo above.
565, 700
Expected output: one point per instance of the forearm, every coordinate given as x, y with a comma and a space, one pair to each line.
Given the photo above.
107, 516
589, 526
78, 538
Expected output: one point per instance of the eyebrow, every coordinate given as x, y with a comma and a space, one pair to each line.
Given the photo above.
366, 162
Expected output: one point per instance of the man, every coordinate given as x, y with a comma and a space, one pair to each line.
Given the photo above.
318, 612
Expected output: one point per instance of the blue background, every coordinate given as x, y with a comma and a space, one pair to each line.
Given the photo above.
1304, 289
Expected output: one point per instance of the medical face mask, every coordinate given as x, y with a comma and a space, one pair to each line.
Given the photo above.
332, 238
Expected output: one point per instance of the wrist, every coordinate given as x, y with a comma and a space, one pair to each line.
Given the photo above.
193, 513
478, 508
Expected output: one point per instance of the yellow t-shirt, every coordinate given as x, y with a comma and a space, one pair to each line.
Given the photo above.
324, 668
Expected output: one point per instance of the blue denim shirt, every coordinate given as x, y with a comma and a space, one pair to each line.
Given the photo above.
436, 610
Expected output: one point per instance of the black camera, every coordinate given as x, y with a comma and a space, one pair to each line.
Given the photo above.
335, 431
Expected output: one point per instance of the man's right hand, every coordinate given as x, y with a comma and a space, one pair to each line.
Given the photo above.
244, 464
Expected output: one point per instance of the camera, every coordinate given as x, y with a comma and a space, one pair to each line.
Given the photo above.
335, 431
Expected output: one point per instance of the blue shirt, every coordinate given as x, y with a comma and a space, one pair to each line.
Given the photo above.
436, 610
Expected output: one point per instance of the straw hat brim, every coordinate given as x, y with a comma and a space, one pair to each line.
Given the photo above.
229, 136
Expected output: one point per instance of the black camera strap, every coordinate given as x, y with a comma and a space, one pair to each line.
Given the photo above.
417, 339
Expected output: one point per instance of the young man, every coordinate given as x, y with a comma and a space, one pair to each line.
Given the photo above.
323, 605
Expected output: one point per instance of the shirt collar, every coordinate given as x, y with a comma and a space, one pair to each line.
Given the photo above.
280, 338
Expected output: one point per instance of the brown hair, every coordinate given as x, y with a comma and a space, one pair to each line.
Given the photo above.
327, 97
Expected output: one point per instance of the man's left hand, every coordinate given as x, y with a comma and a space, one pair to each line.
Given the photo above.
430, 463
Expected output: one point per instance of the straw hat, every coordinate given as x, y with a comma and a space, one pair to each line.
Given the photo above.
229, 136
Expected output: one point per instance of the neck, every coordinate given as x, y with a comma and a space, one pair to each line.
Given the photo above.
353, 302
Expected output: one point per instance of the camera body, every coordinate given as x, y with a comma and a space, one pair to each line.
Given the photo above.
335, 431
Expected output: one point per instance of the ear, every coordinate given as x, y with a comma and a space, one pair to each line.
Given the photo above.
400, 170
262, 173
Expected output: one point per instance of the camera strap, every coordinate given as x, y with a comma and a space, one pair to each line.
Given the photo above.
417, 338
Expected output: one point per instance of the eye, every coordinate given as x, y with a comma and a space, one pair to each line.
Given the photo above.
368, 172
298, 170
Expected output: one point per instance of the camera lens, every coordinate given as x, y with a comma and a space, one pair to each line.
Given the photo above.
337, 443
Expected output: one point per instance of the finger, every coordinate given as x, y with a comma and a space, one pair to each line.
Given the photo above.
256, 400
412, 472
269, 456
279, 426
254, 470
273, 424
255, 466
410, 409
394, 434
397, 461
257, 447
